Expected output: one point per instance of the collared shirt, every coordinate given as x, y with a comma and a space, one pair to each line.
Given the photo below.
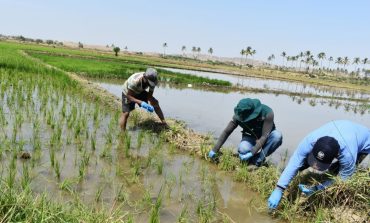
352, 139
135, 84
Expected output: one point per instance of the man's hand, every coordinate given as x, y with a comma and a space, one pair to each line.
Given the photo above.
212, 154
306, 190
275, 198
246, 156
147, 106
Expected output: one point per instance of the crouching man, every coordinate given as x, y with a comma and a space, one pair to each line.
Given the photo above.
344, 142
135, 92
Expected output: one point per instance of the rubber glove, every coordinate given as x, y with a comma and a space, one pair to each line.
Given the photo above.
246, 156
306, 190
212, 154
147, 106
275, 198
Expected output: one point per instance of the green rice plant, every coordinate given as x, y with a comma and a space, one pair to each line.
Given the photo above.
204, 212
228, 162
26, 179
154, 212
98, 193
106, 153
57, 169
93, 143
170, 182
159, 165
183, 215
52, 156
140, 139
67, 184
127, 145
122, 195
12, 172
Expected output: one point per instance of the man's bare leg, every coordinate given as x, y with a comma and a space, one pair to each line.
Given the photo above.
123, 120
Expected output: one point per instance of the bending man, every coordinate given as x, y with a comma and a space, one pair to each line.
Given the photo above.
134, 92
343, 140
259, 136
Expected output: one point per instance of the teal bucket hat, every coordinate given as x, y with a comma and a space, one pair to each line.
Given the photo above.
247, 109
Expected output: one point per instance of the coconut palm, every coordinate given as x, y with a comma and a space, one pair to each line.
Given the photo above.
330, 60
356, 61
345, 62
364, 62
339, 61
164, 49
210, 51
283, 54
198, 50
248, 51
242, 52
194, 50
321, 57
252, 53
183, 49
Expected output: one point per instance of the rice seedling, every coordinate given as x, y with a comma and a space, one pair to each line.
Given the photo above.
12, 172
183, 215
122, 195
52, 156
140, 139
127, 144
57, 169
154, 212
98, 193
228, 161
159, 165
26, 179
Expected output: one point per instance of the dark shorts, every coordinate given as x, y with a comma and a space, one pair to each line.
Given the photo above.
128, 106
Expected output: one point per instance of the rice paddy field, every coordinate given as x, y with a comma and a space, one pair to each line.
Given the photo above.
64, 159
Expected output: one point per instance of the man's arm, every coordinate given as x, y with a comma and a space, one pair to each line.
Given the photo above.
224, 135
131, 97
295, 162
266, 129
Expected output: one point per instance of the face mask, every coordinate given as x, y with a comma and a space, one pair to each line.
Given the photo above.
313, 170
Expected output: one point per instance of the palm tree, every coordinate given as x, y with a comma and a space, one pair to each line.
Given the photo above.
330, 60
183, 49
252, 54
242, 52
164, 49
194, 50
345, 62
248, 51
210, 51
356, 61
321, 57
283, 54
198, 50
116, 50
270, 58
364, 62
339, 61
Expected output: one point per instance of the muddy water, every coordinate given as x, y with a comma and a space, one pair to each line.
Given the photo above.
270, 84
210, 112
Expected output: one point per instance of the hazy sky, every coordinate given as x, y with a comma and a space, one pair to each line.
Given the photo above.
337, 27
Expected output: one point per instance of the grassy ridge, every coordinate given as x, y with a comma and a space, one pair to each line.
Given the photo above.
102, 68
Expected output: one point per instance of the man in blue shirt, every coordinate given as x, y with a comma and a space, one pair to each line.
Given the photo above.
343, 140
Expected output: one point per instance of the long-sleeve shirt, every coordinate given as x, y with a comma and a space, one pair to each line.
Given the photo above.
352, 139
261, 136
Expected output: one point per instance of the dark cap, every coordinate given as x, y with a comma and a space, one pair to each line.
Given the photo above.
152, 76
323, 152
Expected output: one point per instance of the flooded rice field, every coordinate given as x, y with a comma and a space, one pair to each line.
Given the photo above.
278, 85
54, 141
209, 112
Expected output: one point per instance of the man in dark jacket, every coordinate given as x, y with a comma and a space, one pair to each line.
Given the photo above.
260, 137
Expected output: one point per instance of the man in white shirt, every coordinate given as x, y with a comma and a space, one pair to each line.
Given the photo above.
134, 92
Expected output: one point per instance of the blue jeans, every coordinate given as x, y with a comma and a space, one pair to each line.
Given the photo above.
274, 140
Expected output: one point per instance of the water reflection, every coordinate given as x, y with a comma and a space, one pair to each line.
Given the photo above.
210, 111
269, 84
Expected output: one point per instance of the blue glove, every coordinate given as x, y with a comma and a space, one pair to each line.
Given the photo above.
306, 190
275, 198
147, 106
211, 154
246, 156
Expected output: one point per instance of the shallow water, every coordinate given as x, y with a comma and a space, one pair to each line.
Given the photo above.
186, 181
269, 84
210, 112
